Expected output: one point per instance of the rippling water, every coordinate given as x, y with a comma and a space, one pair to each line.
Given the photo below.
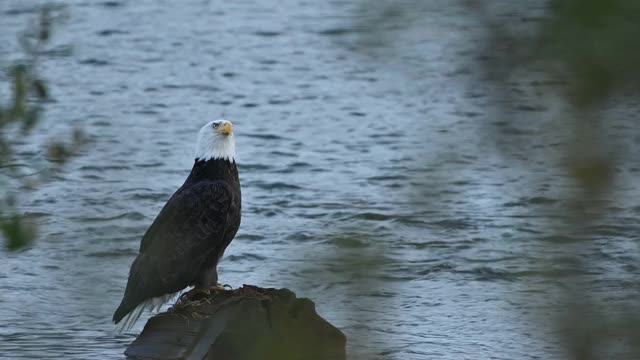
367, 184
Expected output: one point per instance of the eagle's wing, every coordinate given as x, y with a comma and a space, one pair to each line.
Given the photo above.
175, 246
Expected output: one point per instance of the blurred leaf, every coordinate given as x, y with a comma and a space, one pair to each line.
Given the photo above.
45, 24
78, 137
57, 152
5, 151
17, 232
19, 89
40, 89
10, 200
30, 119
592, 174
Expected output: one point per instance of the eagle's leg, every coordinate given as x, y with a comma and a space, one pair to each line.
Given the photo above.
217, 287
208, 282
212, 281
208, 278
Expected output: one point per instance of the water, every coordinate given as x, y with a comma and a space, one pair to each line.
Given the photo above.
368, 182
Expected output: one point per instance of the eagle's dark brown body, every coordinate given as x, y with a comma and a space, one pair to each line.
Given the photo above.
183, 245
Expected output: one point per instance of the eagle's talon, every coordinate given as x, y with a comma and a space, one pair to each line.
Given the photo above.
215, 288
194, 294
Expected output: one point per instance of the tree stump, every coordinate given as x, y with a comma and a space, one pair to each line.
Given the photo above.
244, 324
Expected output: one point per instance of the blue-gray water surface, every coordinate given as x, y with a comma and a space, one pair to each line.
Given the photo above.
368, 182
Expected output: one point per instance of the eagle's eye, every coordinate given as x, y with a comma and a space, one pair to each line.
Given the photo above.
215, 125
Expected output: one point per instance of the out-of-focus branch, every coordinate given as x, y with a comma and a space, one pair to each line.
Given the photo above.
19, 116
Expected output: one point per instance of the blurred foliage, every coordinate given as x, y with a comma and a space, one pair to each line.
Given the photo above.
20, 114
588, 47
580, 56
590, 44
593, 42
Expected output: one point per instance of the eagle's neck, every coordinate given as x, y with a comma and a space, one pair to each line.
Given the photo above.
214, 169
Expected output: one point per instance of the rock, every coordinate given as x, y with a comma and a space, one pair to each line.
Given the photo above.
244, 324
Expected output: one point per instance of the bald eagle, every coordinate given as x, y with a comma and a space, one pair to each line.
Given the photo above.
182, 246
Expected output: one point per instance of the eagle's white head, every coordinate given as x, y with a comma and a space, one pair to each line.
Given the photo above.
215, 141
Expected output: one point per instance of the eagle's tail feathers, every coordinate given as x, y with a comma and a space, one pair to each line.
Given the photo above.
132, 317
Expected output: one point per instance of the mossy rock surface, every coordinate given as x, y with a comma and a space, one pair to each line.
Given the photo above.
243, 324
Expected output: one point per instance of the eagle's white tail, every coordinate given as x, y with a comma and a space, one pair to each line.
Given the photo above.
152, 304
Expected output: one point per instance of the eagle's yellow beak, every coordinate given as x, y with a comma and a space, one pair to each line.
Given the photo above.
225, 129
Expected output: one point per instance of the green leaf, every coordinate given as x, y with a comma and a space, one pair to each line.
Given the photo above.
17, 233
